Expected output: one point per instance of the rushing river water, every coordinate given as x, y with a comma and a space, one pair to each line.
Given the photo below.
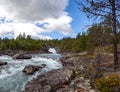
11, 77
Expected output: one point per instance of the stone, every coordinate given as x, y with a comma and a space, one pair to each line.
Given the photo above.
22, 56
3, 63
31, 69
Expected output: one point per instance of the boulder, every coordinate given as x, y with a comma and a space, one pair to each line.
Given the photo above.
31, 69
22, 56
3, 63
50, 81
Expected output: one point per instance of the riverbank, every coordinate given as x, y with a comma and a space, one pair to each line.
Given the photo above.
13, 52
67, 79
79, 74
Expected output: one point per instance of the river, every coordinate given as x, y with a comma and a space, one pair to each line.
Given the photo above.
12, 79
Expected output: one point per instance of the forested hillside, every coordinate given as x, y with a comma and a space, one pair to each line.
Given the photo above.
96, 35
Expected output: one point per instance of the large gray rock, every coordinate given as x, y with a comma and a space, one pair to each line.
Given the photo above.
31, 69
22, 56
3, 63
49, 81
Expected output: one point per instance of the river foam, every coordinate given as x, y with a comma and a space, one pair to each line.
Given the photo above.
11, 77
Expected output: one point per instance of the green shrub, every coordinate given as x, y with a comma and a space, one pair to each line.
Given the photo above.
106, 84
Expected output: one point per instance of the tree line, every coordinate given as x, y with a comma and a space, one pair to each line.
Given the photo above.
20, 43
96, 35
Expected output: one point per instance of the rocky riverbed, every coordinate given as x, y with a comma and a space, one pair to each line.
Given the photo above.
68, 79
78, 75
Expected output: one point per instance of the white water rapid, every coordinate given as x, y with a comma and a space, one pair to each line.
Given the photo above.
11, 77
52, 50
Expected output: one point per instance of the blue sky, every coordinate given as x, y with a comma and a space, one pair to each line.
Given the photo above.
43, 19
79, 21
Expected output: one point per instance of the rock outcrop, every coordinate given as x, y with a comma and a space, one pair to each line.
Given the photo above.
50, 81
31, 69
61, 80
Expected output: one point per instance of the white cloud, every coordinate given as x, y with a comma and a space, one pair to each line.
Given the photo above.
60, 24
17, 28
26, 13
33, 10
5, 28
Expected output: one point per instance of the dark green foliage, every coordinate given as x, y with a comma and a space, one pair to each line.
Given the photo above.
80, 43
97, 34
20, 43
66, 44
26, 43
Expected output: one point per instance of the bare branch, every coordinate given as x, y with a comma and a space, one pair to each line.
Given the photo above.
118, 9
118, 15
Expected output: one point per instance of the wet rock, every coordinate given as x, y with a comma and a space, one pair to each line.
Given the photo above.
53, 78
43, 65
3, 63
30, 69
22, 56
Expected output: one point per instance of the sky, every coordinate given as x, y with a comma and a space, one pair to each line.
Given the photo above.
42, 19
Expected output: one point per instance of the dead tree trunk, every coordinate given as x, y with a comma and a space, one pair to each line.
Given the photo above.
114, 34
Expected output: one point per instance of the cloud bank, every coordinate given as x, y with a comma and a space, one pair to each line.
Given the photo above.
21, 16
